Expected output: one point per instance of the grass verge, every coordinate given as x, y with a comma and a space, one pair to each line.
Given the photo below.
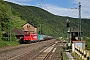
5, 43
75, 56
62, 54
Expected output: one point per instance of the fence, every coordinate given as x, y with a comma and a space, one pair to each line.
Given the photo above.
85, 55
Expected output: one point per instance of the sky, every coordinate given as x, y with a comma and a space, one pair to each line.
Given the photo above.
59, 7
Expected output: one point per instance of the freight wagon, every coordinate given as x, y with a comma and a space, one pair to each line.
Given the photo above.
41, 37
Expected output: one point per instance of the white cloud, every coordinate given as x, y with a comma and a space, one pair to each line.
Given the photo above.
85, 9
20, 2
85, 6
61, 11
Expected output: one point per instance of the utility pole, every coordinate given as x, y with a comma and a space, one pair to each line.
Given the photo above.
9, 26
0, 31
40, 29
79, 21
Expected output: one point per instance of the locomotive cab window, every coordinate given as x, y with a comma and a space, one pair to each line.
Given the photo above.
27, 34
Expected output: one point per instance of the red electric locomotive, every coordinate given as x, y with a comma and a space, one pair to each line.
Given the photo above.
28, 37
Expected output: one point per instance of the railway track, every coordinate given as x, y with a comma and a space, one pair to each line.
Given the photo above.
46, 53
13, 47
20, 52
10, 55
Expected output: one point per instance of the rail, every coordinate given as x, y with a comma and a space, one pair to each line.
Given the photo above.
45, 53
84, 54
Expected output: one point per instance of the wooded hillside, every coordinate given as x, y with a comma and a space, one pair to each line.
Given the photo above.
46, 22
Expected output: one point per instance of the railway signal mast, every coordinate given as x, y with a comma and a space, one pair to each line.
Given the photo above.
68, 32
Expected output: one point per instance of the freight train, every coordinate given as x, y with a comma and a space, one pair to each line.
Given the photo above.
31, 35
28, 38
